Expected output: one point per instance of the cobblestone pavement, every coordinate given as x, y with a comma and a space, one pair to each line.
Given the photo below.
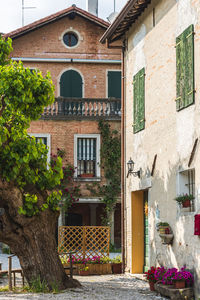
104, 287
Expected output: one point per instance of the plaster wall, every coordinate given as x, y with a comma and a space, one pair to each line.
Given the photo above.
168, 133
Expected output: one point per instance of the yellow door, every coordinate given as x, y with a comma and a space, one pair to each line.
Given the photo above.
137, 232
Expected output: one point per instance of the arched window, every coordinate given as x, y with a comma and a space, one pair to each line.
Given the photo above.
71, 84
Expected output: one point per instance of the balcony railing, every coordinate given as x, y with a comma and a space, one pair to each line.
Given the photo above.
83, 108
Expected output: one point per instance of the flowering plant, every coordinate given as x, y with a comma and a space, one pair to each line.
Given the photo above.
168, 276
84, 268
84, 261
150, 274
182, 198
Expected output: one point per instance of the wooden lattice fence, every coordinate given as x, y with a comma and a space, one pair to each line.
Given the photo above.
86, 241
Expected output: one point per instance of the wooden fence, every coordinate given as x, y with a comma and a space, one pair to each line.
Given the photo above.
86, 241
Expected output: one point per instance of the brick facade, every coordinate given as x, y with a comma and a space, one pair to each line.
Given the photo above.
46, 42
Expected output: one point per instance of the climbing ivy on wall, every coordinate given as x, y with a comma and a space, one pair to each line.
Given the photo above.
111, 165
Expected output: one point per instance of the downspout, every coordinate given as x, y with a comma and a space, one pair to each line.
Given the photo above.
122, 149
122, 162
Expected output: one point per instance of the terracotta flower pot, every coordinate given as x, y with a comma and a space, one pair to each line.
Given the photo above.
179, 284
117, 268
87, 175
151, 285
186, 203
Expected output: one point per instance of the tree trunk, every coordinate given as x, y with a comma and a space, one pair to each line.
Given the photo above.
33, 240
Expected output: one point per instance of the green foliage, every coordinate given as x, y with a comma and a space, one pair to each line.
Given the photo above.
38, 286
182, 198
23, 162
111, 164
5, 49
116, 260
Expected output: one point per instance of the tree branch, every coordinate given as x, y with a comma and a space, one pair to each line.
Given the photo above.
3, 104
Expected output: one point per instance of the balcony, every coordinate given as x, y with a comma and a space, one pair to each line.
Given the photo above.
83, 108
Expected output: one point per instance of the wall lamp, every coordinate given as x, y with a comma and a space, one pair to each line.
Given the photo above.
130, 165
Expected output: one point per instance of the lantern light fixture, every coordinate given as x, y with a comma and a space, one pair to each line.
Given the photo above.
130, 165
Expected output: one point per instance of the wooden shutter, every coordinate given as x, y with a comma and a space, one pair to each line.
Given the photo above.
71, 84
185, 68
139, 98
114, 84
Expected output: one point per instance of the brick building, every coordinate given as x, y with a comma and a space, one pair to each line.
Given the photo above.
87, 81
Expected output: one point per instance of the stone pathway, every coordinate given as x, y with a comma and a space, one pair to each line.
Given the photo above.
104, 287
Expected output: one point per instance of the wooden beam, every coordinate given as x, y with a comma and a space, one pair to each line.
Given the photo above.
193, 152
154, 164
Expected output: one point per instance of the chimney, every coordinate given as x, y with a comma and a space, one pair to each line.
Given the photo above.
92, 7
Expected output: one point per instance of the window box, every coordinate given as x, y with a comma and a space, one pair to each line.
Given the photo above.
87, 175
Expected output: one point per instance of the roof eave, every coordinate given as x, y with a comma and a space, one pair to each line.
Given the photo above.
131, 4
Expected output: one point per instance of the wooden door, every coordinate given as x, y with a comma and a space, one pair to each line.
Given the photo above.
137, 232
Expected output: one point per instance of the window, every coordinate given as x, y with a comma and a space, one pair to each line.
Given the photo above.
138, 101
70, 39
186, 184
45, 139
114, 84
185, 68
87, 155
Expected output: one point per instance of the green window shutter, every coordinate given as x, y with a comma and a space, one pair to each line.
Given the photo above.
114, 84
71, 84
139, 98
185, 68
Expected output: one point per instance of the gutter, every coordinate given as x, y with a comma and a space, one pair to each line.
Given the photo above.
67, 60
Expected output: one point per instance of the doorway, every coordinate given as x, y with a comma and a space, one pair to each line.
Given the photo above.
140, 243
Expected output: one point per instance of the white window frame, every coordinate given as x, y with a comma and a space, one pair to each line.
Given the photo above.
182, 182
48, 136
98, 170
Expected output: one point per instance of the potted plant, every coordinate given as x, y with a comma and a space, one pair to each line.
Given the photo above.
150, 276
116, 265
84, 271
184, 199
164, 228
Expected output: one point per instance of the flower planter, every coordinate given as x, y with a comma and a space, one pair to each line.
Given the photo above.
84, 272
94, 269
117, 268
186, 203
163, 229
151, 285
179, 284
167, 238
87, 175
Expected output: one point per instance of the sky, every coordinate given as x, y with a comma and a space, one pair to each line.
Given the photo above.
11, 10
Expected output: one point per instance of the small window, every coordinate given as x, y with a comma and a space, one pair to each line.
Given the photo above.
70, 39
87, 156
186, 184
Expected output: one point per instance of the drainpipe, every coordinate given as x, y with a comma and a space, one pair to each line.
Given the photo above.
122, 163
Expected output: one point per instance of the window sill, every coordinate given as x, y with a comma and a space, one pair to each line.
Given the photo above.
87, 179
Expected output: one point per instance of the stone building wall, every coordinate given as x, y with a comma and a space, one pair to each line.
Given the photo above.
168, 133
